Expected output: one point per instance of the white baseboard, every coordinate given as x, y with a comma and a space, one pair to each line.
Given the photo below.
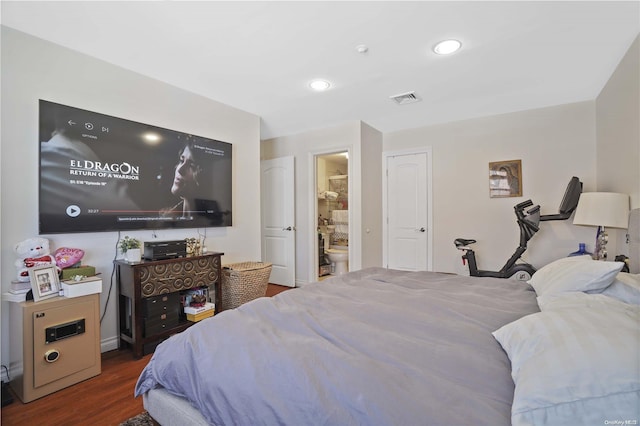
300, 283
14, 371
109, 344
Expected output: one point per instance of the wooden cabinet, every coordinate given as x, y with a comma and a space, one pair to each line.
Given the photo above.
149, 309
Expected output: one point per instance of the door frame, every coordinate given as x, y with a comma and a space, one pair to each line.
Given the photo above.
313, 207
385, 211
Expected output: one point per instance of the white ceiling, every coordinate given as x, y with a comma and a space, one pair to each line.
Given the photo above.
259, 56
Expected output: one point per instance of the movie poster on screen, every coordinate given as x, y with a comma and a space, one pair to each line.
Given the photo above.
102, 173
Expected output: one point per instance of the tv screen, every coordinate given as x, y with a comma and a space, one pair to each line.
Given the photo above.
102, 173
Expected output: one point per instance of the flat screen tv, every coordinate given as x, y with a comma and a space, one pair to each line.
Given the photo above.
102, 173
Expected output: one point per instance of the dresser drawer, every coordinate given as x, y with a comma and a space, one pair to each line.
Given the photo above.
157, 278
161, 313
162, 304
159, 323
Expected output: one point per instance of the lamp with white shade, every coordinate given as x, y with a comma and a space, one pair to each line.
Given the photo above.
604, 210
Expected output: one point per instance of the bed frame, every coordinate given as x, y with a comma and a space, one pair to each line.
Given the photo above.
167, 408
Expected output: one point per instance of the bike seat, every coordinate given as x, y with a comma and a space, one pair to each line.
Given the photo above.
459, 242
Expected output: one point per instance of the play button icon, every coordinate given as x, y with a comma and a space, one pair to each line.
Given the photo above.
73, 210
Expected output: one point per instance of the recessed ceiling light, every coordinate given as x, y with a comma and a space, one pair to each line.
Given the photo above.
319, 85
447, 47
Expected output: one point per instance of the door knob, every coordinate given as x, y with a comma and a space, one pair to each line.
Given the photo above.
421, 229
288, 228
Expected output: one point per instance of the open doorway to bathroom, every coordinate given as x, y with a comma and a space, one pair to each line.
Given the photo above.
332, 213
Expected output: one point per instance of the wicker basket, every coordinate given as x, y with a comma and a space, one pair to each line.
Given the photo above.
243, 282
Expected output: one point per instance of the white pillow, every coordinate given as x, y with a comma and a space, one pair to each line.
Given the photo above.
625, 287
579, 273
576, 299
575, 366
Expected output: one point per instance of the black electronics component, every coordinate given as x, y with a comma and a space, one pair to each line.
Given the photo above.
159, 250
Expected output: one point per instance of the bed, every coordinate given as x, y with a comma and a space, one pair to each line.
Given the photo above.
386, 347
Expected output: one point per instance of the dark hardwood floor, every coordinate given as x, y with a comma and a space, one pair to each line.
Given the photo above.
273, 289
106, 399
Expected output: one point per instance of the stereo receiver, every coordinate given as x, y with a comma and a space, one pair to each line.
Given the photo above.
159, 250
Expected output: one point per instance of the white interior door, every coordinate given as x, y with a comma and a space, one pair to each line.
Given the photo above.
407, 212
278, 214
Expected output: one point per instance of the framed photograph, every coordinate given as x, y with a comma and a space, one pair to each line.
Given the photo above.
505, 179
44, 282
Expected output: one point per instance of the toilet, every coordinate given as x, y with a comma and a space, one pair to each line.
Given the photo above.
339, 256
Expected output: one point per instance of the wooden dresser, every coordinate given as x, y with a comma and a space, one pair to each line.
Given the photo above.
149, 302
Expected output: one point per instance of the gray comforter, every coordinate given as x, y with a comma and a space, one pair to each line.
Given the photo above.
373, 347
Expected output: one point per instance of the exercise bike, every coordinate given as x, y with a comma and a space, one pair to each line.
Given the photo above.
528, 219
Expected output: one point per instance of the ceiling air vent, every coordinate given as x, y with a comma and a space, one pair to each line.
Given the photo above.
405, 98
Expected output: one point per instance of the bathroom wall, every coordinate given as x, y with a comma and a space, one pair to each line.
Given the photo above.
329, 167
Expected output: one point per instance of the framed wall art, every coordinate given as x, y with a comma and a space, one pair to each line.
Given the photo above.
505, 179
44, 282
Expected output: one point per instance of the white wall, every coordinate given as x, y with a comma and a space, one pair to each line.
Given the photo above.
34, 69
303, 147
598, 141
618, 135
371, 209
553, 143
365, 171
